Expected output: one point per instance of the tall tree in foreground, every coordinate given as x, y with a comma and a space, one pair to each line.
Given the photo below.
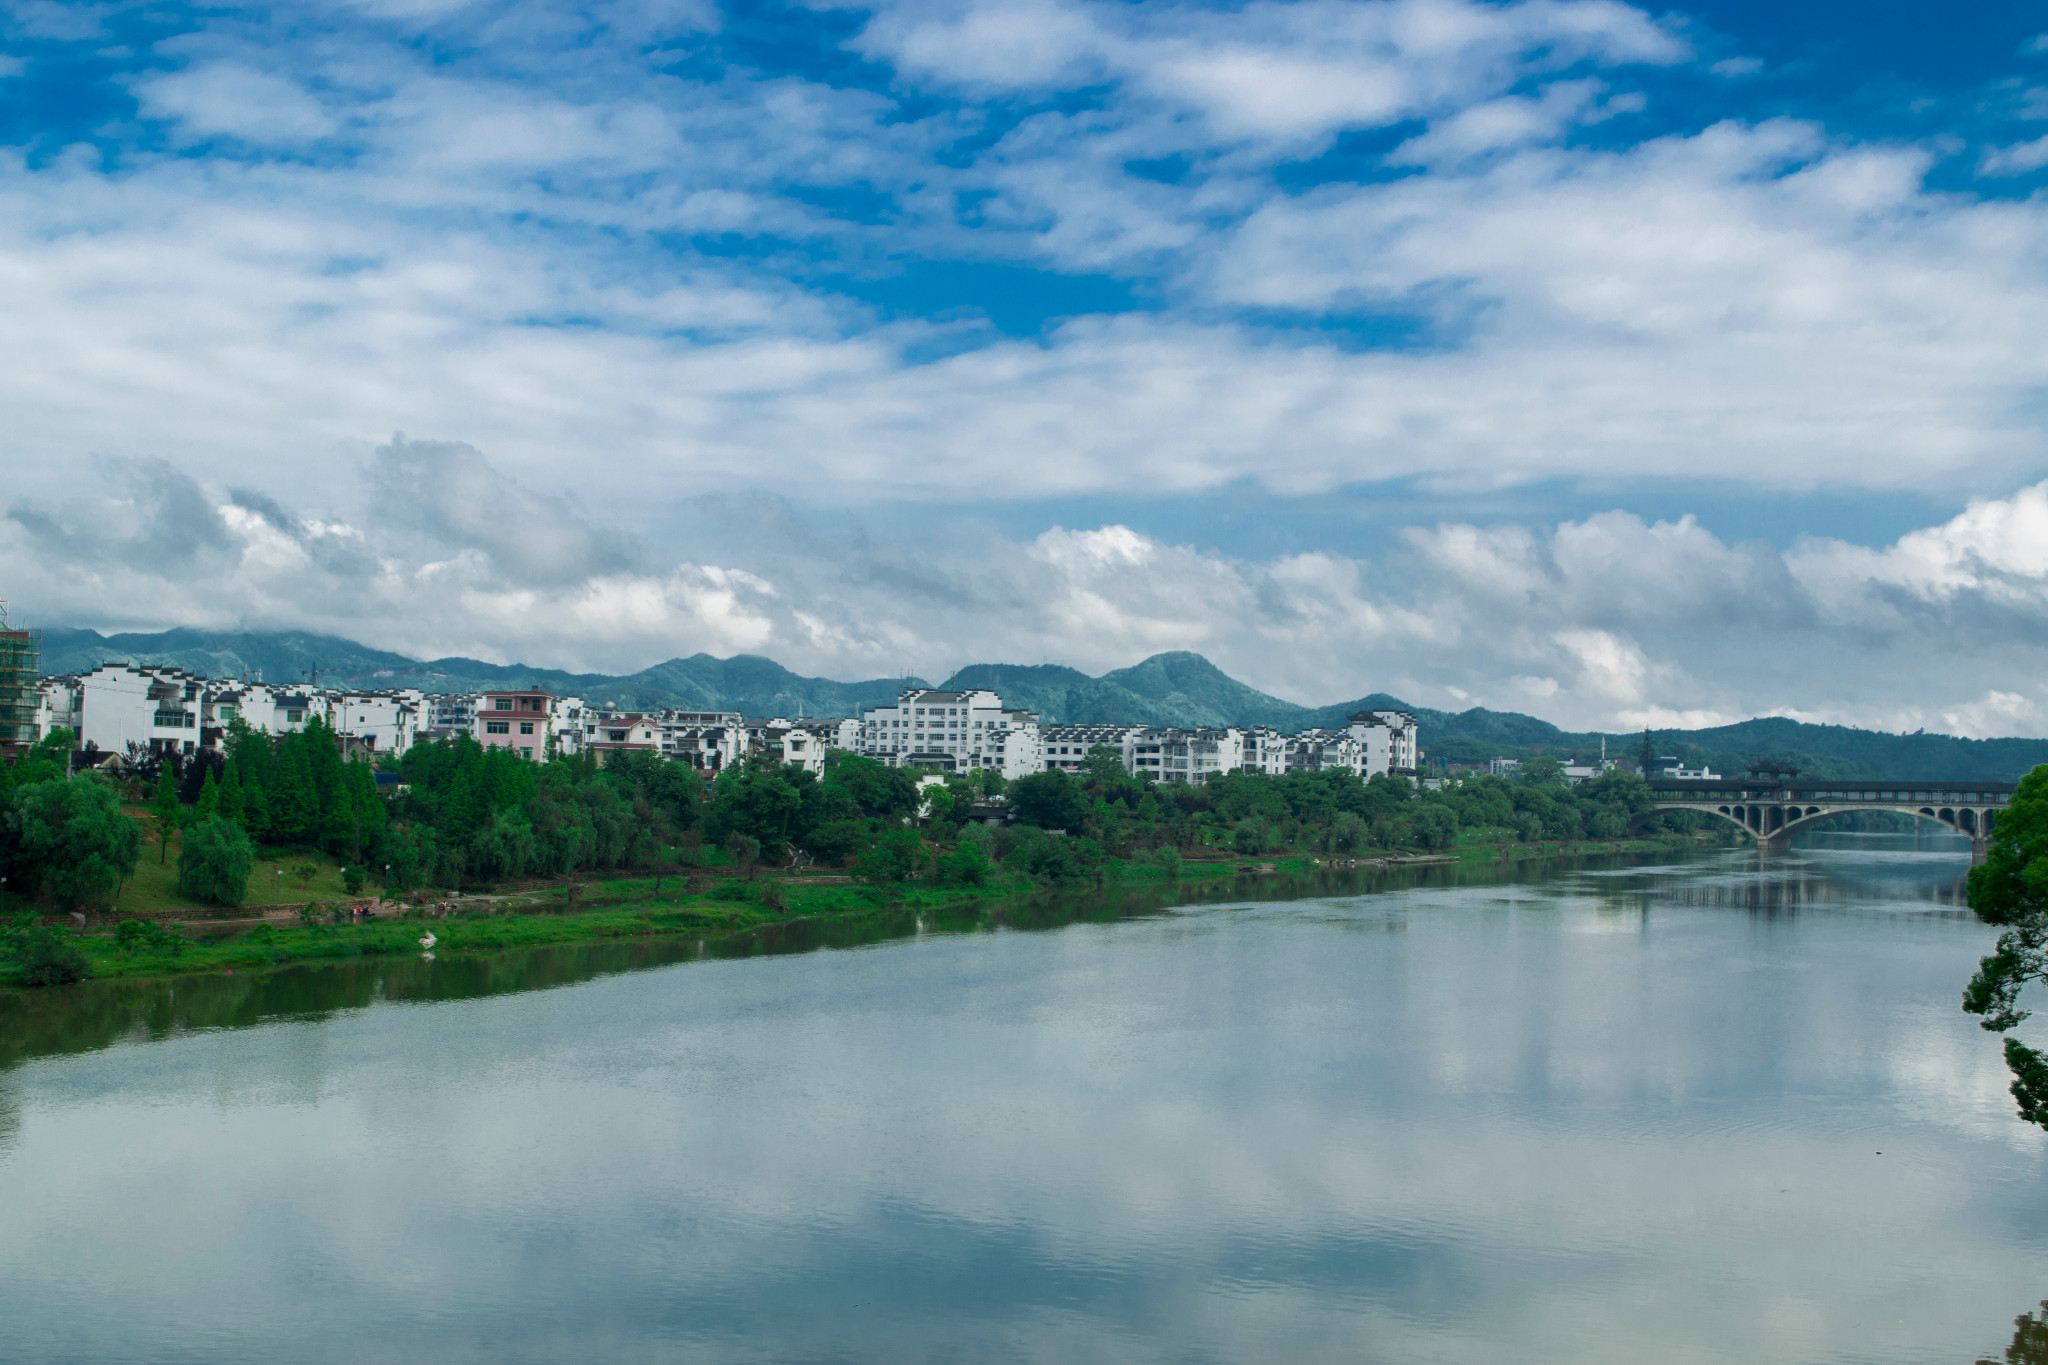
2010, 888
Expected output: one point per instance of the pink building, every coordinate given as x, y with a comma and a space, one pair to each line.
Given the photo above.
520, 721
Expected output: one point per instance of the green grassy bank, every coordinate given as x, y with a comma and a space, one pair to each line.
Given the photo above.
629, 908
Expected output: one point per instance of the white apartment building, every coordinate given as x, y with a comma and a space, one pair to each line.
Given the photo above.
1265, 750
803, 743
951, 732
1065, 747
1191, 756
117, 705
383, 722
447, 714
1314, 750
709, 741
1387, 742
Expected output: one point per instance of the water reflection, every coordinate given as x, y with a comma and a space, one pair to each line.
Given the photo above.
1539, 1114
35, 1023
2029, 1340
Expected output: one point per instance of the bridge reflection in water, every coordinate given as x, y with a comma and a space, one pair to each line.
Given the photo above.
1775, 806
1881, 869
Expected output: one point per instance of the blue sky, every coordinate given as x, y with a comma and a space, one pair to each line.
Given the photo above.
1615, 364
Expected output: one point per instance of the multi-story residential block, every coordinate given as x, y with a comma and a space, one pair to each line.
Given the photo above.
1387, 742
1065, 747
1265, 750
709, 741
951, 732
448, 714
1317, 749
154, 709
520, 721
377, 722
821, 736
1191, 756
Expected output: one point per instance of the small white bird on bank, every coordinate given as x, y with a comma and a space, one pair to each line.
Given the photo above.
429, 941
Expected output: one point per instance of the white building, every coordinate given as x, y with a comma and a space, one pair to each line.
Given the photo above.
1387, 742
379, 722
447, 714
951, 732
1066, 746
613, 732
804, 743
1191, 756
62, 703
155, 709
709, 741
1265, 750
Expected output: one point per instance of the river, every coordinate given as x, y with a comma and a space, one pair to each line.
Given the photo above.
1714, 1108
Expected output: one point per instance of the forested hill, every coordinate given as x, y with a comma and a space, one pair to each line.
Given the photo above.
1167, 689
745, 682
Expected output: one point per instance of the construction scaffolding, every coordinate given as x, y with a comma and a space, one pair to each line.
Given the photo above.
21, 690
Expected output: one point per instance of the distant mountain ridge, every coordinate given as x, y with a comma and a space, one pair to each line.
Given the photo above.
1178, 688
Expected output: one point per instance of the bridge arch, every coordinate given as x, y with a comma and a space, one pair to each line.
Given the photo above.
1777, 820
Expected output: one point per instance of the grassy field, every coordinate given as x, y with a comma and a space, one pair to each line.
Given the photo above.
153, 890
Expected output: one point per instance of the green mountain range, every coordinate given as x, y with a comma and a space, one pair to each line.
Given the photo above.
1167, 689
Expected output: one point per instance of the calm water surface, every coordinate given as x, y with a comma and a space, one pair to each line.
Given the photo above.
1607, 1112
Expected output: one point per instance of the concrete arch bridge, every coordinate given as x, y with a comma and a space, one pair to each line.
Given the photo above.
1774, 807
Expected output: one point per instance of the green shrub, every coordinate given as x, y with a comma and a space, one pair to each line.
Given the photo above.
837, 840
49, 959
144, 936
896, 857
966, 865
352, 878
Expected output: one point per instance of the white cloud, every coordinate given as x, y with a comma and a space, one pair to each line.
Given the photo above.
2021, 158
1266, 72
494, 256
224, 97
1608, 622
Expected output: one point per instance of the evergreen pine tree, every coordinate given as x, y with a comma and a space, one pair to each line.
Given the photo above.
294, 806
1649, 756
231, 795
208, 804
255, 810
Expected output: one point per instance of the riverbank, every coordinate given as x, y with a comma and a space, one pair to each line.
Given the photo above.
278, 936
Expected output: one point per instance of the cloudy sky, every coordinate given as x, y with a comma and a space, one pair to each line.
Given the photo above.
1613, 364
